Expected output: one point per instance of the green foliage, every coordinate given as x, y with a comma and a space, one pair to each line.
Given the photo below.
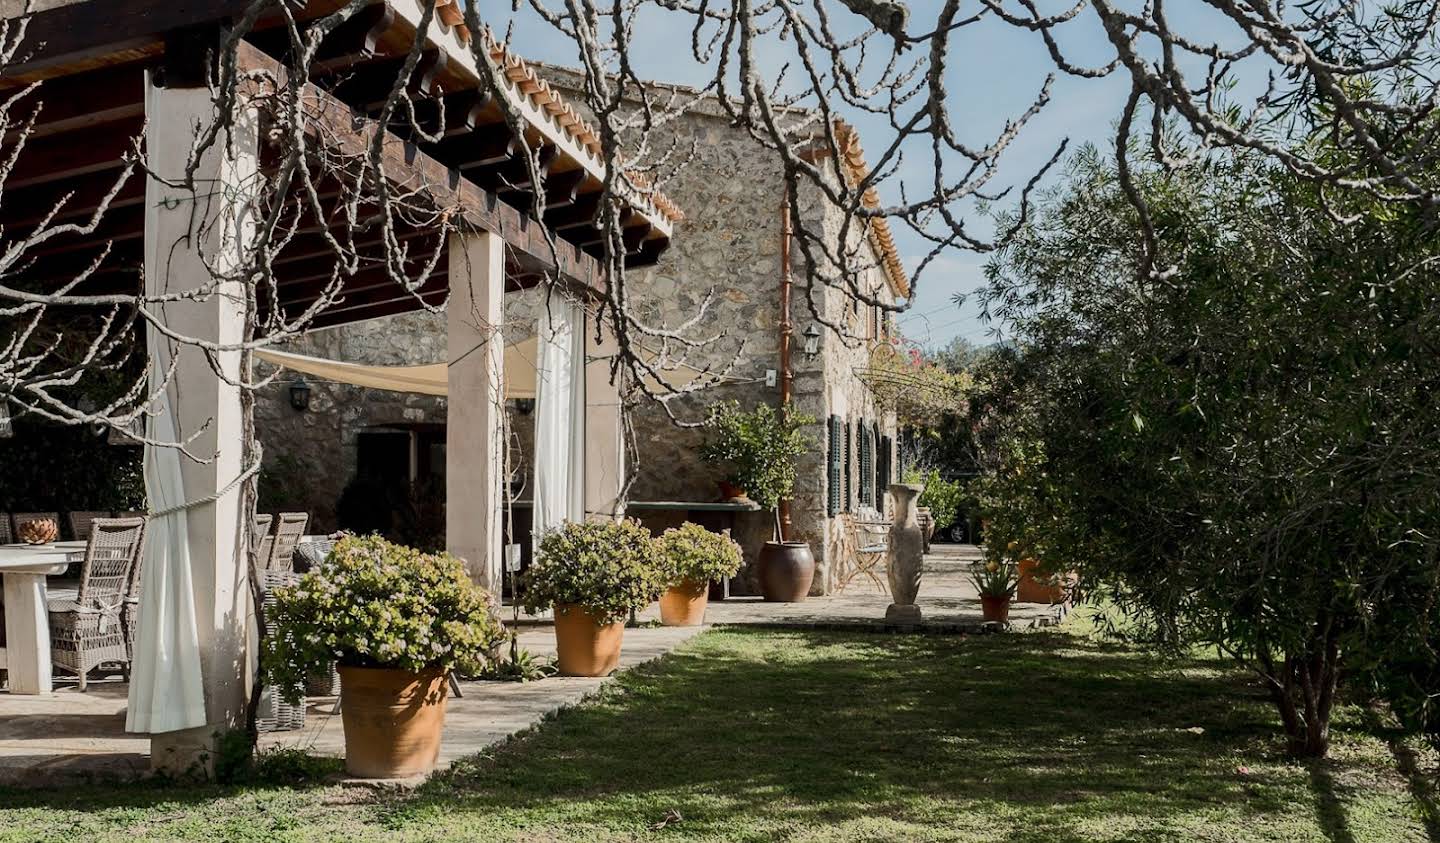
759, 447
609, 568
994, 578
49, 467
521, 666
1237, 451
377, 604
290, 767
691, 552
942, 496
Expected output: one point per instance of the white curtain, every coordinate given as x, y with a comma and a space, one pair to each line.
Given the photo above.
166, 689
560, 418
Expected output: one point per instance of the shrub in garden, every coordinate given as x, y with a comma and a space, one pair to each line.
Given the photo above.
607, 567
692, 553
378, 604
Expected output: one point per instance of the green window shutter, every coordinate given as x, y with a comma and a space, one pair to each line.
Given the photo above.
867, 465
877, 463
833, 474
849, 467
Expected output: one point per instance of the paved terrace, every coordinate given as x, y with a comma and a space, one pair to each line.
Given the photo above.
71, 736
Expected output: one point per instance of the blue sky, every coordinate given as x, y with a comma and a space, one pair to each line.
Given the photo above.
995, 73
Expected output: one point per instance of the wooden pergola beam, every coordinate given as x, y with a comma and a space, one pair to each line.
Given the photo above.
410, 168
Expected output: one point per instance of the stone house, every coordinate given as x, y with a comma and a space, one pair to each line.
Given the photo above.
731, 243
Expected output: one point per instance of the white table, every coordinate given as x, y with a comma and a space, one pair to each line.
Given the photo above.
26, 654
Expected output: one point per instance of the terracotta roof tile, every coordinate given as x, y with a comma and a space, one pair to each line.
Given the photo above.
855, 170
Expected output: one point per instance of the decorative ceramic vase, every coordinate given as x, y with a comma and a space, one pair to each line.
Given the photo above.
583, 645
785, 571
38, 531
684, 604
393, 720
907, 555
995, 609
927, 524
1033, 587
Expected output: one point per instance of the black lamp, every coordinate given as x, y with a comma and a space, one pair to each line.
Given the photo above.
524, 406
300, 395
812, 340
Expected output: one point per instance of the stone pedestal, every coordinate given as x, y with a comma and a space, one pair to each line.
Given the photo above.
907, 555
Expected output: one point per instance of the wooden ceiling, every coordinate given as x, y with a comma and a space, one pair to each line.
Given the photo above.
93, 95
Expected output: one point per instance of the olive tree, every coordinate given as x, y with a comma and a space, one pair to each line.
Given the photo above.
1239, 452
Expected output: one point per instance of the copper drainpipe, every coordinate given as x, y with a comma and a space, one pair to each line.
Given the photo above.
787, 377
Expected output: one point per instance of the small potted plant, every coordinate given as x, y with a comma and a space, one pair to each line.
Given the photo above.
691, 557
760, 448
397, 622
593, 574
995, 580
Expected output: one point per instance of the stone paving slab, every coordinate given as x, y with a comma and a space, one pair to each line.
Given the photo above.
70, 736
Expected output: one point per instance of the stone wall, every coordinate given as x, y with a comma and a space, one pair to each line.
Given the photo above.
728, 244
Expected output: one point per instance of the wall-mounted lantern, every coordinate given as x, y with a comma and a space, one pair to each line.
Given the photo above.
300, 395
524, 406
812, 340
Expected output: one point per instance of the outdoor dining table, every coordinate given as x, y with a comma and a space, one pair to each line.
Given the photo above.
26, 654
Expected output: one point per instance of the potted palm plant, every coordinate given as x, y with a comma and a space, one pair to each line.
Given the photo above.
593, 574
691, 557
397, 621
995, 580
760, 449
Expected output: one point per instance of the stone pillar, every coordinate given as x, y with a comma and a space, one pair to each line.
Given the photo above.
604, 429
185, 228
475, 409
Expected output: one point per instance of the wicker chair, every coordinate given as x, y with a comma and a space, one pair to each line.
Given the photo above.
80, 523
288, 532
89, 631
132, 592
262, 540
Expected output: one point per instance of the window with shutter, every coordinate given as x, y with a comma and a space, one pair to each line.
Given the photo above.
833, 474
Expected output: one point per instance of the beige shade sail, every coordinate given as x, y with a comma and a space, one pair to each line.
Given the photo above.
426, 379
430, 378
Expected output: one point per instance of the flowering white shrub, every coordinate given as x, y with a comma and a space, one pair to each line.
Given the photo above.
692, 553
378, 604
605, 567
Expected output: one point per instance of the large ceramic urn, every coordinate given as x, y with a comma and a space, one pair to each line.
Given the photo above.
907, 555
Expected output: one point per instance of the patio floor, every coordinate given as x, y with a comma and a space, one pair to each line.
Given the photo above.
69, 735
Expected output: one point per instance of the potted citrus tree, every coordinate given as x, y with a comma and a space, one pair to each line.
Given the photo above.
396, 621
691, 557
760, 449
995, 580
593, 574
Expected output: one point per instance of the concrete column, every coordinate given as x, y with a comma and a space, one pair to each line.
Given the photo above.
475, 410
604, 429
194, 237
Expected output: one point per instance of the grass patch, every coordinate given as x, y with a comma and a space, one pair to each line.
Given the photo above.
750, 736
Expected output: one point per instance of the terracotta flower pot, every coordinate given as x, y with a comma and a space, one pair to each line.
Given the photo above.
785, 571
1033, 589
583, 646
729, 491
393, 720
995, 609
684, 604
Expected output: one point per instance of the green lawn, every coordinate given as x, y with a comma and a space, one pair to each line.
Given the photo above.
749, 735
